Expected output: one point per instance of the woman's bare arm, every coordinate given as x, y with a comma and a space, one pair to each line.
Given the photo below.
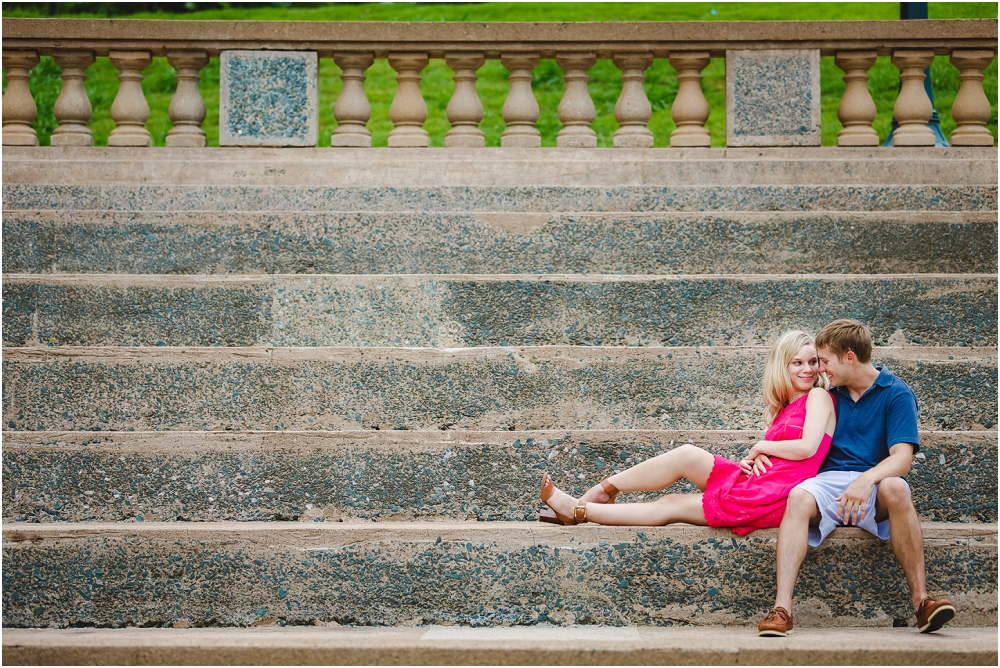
819, 410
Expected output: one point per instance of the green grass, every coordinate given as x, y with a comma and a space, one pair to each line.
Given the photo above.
548, 85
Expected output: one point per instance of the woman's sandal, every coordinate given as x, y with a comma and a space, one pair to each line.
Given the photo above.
554, 517
609, 489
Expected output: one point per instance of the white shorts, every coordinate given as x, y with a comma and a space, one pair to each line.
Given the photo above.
825, 488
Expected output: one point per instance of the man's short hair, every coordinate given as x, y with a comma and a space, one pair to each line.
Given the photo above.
845, 335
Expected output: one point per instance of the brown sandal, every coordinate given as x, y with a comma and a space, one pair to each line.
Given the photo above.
556, 517
609, 489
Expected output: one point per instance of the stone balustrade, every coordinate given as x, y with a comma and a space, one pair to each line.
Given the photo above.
268, 94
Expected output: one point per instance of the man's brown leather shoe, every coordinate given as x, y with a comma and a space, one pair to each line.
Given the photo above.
932, 614
777, 623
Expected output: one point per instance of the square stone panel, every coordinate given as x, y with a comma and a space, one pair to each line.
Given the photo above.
773, 98
268, 98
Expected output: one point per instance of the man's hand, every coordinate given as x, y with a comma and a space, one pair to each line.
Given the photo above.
851, 505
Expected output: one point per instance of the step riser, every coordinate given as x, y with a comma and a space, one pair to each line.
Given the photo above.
425, 312
394, 476
508, 167
151, 389
515, 199
193, 243
541, 644
487, 575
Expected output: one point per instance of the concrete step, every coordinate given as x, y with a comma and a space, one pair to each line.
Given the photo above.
535, 645
543, 387
394, 475
393, 167
485, 310
793, 242
478, 573
514, 199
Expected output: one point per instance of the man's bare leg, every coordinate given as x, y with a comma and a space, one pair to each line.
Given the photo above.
893, 501
793, 541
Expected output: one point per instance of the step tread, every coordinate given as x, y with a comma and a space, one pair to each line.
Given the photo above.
542, 644
322, 534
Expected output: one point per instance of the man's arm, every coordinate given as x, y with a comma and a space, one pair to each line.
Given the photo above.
854, 500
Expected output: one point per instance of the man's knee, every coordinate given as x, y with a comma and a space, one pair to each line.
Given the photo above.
801, 503
894, 492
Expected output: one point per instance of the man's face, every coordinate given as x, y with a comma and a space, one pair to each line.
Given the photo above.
838, 371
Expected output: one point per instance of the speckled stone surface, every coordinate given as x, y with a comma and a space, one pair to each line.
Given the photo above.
394, 475
268, 98
773, 98
478, 574
543, 387
440, 243
123, 313
451, 311
485, 199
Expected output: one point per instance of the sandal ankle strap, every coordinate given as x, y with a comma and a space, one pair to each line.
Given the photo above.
580, 514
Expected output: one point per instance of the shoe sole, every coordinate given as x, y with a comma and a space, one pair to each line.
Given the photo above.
772, 634
939, 618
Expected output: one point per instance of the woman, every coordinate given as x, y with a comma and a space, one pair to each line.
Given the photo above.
742, 496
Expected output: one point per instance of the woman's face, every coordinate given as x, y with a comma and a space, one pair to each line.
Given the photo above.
803, 367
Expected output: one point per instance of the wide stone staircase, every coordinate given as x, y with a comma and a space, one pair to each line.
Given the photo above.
251, 388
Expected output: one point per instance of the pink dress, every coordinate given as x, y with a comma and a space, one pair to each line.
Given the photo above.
743, 504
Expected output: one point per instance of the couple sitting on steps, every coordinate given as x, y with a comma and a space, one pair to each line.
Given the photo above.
830, 458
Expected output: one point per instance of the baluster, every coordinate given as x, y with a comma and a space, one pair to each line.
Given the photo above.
130, 110
72, 108
690, 108
857, 109
19, 108
520, 110
971, 109
465, 110
352, 109
576, 109
913, 108
633, 111
187, 109
408, 110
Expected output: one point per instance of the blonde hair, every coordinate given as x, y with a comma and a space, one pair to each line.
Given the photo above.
777, 385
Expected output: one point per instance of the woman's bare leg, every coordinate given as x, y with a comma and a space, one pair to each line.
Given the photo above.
687, 461
670, 508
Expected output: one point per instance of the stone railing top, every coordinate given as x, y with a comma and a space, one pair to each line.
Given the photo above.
158, 36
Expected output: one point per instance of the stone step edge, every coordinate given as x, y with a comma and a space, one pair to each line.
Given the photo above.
23, 354
220, 438
521, 645
322, 534
534, 219
181, 280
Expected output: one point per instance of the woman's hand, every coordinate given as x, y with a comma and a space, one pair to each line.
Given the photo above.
755, 466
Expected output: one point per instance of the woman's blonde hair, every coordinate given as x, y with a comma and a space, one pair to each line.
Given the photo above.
777, 386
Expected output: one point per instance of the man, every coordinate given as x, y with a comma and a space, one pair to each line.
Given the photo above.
860, 480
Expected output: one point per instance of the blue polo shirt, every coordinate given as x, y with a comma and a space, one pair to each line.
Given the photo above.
886, 414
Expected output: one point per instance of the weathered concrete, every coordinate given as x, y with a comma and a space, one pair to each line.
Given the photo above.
544, 387
393, 475
479, 573
513, 199
498, 37
506, 243
466, 311
535, 645
501, 167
